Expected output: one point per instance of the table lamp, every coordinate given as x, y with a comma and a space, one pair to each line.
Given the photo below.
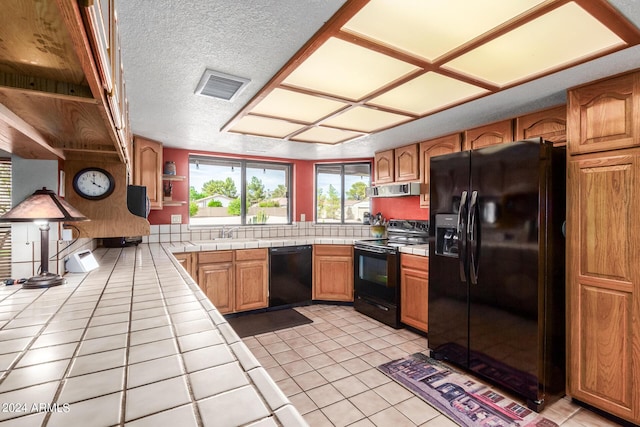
41, 208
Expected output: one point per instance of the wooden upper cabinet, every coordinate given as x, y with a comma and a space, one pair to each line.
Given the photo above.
383, 167
407, 163
147, 169
604, 115
492, 134
551, 125
428, 149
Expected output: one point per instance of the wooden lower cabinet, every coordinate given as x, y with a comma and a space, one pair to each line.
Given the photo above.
234, 280
186, 260
603, 281
333, 272
252, 279
216, 278
414, 291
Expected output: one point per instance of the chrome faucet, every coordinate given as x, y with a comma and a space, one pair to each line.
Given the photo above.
228, 233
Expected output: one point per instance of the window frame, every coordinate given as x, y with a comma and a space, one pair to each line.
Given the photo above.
242, 164
343, 192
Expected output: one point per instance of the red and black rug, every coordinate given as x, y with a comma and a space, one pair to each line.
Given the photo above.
462, 398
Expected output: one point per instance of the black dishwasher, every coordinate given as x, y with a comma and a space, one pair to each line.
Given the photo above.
290, 276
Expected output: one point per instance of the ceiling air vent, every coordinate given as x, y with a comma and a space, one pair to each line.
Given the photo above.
220, 85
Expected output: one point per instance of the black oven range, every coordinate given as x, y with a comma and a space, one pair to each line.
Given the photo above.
377, 269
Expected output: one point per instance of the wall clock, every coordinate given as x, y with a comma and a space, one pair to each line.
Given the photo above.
93, 183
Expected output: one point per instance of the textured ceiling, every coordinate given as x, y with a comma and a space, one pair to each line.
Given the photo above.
167, 45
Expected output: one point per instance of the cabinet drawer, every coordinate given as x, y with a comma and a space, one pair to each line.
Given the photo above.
337, 250
415, 261
215, 256
251, 254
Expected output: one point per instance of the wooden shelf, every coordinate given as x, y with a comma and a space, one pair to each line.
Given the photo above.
173, 177
173, 203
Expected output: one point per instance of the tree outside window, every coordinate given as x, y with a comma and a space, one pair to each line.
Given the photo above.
229, 191
340, 192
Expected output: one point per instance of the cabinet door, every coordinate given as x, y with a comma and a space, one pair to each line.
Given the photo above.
428, 149
99, 16
407, 163
333, 273
383, 167
603, 278
148, 169
549, 124
414, 291
217, 282
492, 134
186, 260
252, 279
604, 115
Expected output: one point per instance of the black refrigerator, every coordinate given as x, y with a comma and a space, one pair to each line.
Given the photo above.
497, 264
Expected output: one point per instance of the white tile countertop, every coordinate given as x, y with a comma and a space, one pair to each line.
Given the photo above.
133, 343
227, 244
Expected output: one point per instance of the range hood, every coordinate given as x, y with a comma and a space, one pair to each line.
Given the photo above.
397, 190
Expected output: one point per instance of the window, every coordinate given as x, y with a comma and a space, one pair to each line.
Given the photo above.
242, 192
340, 192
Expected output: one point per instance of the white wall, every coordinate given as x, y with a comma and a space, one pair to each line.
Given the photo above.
28, 176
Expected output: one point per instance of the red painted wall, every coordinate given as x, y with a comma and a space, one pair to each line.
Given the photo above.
303, 184
399, 207
303, 189
180, 188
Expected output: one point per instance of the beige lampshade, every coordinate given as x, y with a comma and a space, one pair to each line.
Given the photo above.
43, 205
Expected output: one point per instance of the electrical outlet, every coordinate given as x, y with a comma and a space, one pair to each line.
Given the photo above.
67, 234
176, 219
302, 217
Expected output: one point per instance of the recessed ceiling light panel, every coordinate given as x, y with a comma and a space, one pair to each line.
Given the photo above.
325, 135
346, 70
292, 105
263, 126
431, 28
364, 119
220, 85
426, 93
561, 37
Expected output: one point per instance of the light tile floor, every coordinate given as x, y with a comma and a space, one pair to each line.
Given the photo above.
328, 371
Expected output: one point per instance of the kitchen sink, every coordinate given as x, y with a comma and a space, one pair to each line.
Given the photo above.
233, 239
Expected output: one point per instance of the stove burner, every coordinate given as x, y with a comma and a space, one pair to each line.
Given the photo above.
400, 232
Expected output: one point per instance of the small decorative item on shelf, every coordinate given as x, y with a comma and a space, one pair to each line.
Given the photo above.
168, 189
169, 168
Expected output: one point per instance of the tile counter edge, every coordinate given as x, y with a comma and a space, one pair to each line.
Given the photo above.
230, 244
138, 326
280, 405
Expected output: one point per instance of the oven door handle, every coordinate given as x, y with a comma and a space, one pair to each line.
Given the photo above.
371, 249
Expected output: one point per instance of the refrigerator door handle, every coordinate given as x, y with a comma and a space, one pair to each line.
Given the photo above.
462, 235
474, 238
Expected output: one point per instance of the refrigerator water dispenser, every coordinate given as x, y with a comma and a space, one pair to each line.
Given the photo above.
447, 235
